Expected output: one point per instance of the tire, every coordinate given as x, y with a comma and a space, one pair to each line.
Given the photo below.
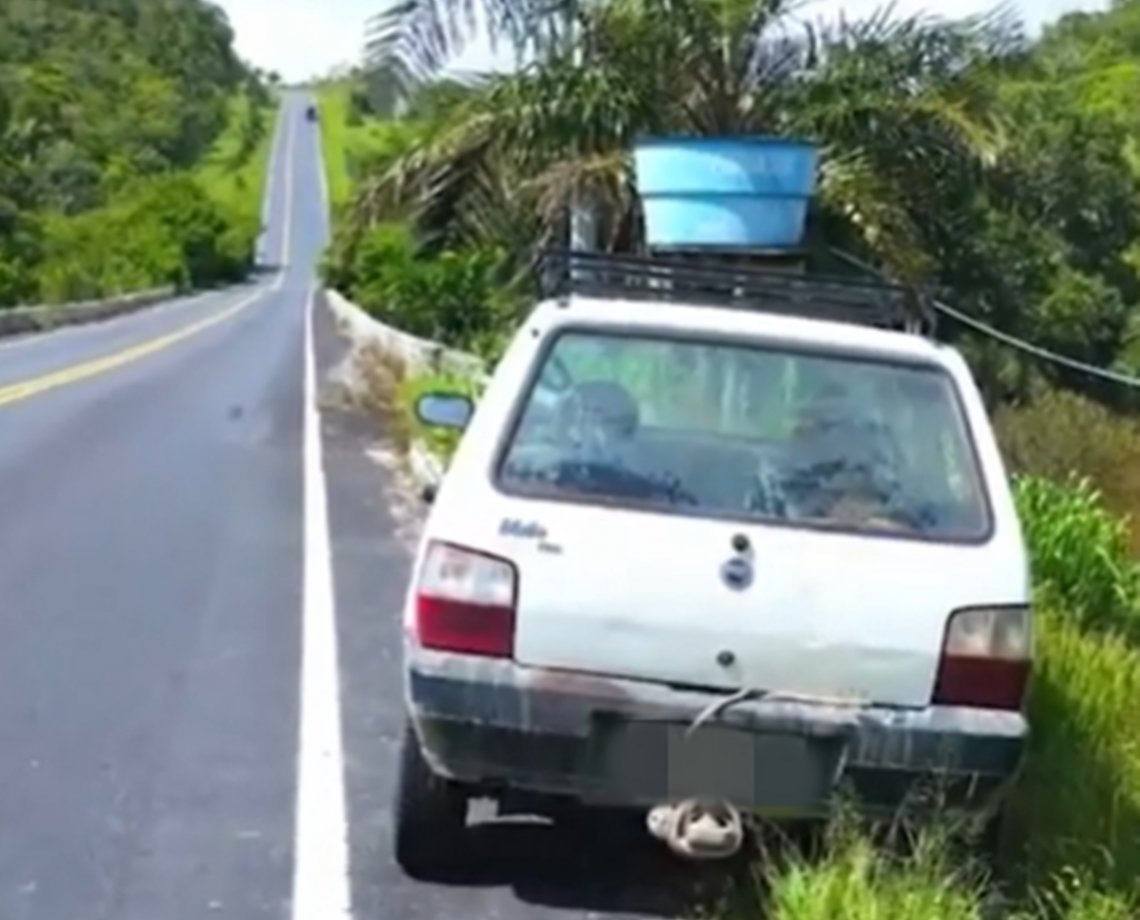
993, 840
430, 814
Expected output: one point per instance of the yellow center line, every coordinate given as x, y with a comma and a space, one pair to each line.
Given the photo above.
14, 392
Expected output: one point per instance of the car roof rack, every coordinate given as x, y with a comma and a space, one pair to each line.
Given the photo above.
717, 279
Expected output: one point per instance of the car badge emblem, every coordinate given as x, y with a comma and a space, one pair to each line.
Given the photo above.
736, 573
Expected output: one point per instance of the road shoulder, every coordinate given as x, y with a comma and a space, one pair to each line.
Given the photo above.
370, 561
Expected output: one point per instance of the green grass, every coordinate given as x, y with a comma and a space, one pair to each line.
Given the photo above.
332, 103
234, 172
857, 881
1078, 806
350, 143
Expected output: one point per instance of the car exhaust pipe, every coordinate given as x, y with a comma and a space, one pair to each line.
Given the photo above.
695, 829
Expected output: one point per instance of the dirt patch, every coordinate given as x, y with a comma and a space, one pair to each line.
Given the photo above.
368, 382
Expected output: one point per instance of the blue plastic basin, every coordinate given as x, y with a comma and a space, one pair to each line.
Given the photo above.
725, 165
733, 192
735, 221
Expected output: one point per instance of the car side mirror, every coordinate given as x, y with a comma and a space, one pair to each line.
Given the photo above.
445, 410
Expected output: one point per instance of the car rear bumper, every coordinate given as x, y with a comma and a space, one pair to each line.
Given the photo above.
620, 742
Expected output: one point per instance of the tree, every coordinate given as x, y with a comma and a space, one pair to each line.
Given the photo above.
408, 44
889, 100
954, 152
96, 95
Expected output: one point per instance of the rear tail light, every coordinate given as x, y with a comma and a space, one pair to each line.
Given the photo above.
986, 658
465, 602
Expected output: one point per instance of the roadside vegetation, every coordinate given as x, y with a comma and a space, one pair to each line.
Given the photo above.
1003, 171
355, 142
234, 171
132, 149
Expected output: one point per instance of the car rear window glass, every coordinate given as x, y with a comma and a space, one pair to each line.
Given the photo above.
748, 432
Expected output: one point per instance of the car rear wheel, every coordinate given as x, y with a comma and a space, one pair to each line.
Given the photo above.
993, 841
430, 813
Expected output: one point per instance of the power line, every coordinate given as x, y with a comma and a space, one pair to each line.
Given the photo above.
978, 326
1037, 352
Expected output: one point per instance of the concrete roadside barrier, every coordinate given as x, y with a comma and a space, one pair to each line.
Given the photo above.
21, 320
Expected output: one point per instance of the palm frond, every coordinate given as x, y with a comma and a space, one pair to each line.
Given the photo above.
900, 106
854, 190
405, 46
605, 179
413, 40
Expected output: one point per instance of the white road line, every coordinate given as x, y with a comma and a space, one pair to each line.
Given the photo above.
320, 847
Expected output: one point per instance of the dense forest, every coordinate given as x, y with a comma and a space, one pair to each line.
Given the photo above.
106, 109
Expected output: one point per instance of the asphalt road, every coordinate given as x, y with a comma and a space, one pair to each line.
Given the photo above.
180, 736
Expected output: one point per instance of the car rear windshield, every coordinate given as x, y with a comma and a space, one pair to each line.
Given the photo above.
748, 433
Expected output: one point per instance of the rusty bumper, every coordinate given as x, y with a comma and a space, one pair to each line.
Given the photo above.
498, 725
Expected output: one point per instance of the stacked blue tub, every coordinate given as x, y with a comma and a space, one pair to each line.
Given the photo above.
725, 193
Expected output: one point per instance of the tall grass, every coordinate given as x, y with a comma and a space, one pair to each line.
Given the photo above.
1060, 435
1078, 805
856, 880
332, 102
353, 145
1080, 552
389, 390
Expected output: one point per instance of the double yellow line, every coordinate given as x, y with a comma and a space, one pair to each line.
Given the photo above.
14, 392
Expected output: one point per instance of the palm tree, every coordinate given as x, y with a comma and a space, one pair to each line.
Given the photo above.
412, 40
901, 107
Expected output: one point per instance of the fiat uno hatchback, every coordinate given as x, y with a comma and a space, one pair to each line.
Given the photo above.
723, 534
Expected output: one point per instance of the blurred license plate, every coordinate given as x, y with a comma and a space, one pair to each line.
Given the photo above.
758, 770
711, 762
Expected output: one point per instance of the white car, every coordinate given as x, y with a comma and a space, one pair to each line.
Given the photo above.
720, 503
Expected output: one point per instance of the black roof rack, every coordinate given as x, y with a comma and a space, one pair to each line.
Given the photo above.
715, 279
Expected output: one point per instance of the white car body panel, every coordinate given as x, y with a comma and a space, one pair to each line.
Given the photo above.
639, 594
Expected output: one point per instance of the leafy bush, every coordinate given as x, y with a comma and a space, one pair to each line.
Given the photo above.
1059, 434
1079, 551
461, 298
21, 241
105, 252
234, 171
165, 232
214, 245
